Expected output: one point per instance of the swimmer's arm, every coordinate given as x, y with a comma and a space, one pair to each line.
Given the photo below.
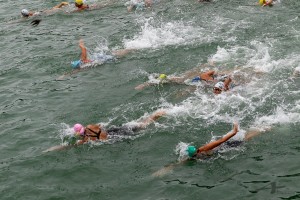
210, 72
226, 83
207, 76
152, 118
176, 79
83, 56
218, 142
142, 86
62, 4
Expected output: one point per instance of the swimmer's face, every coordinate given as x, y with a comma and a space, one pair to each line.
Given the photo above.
77, 134
217, 90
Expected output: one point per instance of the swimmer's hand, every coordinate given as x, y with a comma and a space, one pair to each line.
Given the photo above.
235, 128
35, 22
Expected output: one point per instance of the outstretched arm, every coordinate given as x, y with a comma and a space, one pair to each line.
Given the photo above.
83, 56
207, 76
216, 143
226, 83
62, 4
152, 118
142, 86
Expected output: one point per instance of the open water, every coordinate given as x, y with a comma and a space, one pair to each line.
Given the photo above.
171, 37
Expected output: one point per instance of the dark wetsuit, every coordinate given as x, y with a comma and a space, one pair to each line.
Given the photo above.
122, 130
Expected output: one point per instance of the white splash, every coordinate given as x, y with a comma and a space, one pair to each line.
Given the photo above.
155, 34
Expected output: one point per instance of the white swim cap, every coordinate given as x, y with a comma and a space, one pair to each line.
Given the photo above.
220, 85
25, 12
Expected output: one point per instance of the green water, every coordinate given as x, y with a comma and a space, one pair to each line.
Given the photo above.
171, 38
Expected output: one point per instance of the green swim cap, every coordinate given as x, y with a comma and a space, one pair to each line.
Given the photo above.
191, 150
162, 76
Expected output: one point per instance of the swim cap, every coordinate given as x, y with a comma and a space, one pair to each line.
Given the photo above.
162, 76
78, 128
191, 150
196, 79
25, 12
79, 2
76, 64
261, 2
219, 85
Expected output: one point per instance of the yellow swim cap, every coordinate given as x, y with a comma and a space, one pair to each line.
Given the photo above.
261, 2
79, 2
162, 76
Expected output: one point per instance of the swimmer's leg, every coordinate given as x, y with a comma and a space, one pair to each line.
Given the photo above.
168, 169
75, 71
165, 170
56, 148
122, 52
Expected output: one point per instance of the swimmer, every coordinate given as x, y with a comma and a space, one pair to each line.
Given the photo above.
138, 4
80, 6
208, 149
223, 85
208, 77
96, 132
103, 58
26, 14
264, 3
84, 61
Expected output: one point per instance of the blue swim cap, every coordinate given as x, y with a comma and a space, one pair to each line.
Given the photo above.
191, 150
76, 64
196, 79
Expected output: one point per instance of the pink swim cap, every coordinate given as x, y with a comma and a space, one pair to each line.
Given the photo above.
78, 128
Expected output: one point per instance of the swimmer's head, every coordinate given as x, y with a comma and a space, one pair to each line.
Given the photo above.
218, 88
297, 71
162, 76
75, 64
78, 2
78, 129
191, 150
25, 13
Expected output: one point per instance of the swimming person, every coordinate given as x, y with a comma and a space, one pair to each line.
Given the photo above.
97, 58
26, 13
223, 82
94, 59
264, 3
209, 76
223, 85
138, 4
80, 6
207, 150
96, 132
